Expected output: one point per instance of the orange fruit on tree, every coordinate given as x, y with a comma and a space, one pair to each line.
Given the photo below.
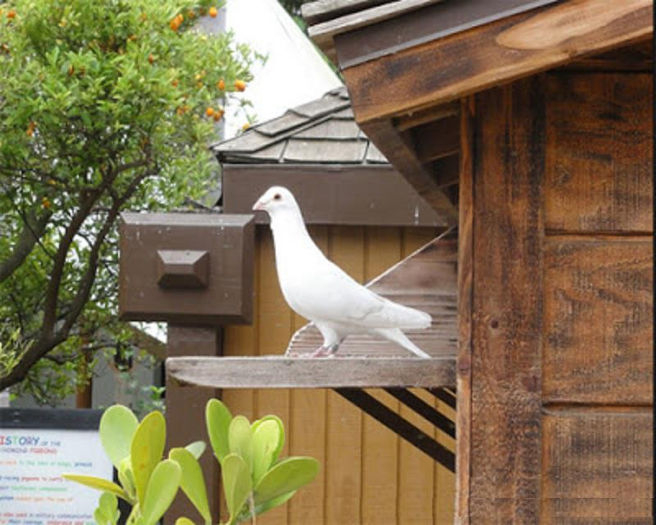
174, 82
240, 85
221, 84
45, 202
213, 12
209, 112
11, 14
218, 115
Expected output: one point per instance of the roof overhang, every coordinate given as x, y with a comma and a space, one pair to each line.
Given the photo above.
409, 65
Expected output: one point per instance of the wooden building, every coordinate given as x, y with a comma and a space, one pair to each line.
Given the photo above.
551, 106
528, 125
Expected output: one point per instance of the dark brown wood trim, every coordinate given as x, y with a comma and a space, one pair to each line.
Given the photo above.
506, 367
493, 54
369, 195
185, 413
465, 305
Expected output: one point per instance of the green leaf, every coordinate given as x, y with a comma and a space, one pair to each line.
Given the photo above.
184, 521
146, 450
265, 506
192, 482
281, 428
237, 485
240, 440
107, 512
97, 483
117, 427
196, 448
217, 419
266, 440
288, 475
126, 478
162, 487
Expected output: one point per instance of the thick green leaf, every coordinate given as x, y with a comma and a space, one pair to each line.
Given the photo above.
192, 482
217, 419
237, 485
184, 521
267, 505
196, 448
162, 487
266, 437
117, 427
288, 475
97, 483
281, 429
146, 450
107, 512
240, 440
126, 478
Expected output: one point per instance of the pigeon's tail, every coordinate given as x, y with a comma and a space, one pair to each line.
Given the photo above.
408, 318
397, 336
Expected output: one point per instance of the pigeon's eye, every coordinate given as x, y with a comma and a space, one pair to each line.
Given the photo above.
277, 197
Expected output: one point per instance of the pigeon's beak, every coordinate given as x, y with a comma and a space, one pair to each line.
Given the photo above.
258, 206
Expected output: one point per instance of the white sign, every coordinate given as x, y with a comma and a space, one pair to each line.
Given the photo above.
32, 491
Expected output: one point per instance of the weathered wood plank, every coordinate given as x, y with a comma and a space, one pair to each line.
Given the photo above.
598, 175
465, 310
597, 468
492, 54
282, 372
507, 291
598, 320
635, 58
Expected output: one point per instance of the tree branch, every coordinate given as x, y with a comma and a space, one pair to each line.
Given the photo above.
29, 236
49, 338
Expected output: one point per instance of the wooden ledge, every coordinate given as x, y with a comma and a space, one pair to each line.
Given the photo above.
337, 372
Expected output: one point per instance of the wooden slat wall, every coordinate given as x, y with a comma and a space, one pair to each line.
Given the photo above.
368, 476
561, 313
598, 299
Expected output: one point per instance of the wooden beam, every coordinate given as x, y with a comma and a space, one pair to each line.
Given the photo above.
283, 372
362, 195
413, 119
436, 139
465, 305
463, 63
401, 154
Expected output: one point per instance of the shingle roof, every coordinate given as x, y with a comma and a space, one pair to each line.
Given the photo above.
319, 132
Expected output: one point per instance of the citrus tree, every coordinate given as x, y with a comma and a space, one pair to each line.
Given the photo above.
103, 105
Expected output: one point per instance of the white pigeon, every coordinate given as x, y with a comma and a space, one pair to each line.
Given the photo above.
320, 291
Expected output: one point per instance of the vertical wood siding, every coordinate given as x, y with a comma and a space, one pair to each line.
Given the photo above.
368, 475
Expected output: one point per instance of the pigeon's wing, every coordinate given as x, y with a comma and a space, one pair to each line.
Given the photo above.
333, 295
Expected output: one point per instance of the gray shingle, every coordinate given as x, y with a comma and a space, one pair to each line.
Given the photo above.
324, 151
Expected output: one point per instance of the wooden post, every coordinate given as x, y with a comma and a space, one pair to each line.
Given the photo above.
506, 309
185, 414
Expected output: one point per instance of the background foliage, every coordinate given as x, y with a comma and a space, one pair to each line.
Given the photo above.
104, 105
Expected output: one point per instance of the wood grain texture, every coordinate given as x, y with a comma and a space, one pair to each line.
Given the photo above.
636, 58
493, 54
507, 292
599, 153
598, 320
465, 311
597, 468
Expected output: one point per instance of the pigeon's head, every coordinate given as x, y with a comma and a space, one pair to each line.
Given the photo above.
276, 199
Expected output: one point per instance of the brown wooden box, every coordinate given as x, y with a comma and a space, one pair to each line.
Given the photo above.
186, 268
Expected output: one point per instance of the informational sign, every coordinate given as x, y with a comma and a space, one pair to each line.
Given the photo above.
32, 460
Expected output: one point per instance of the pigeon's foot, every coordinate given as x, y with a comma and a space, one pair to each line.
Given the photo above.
322, 351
